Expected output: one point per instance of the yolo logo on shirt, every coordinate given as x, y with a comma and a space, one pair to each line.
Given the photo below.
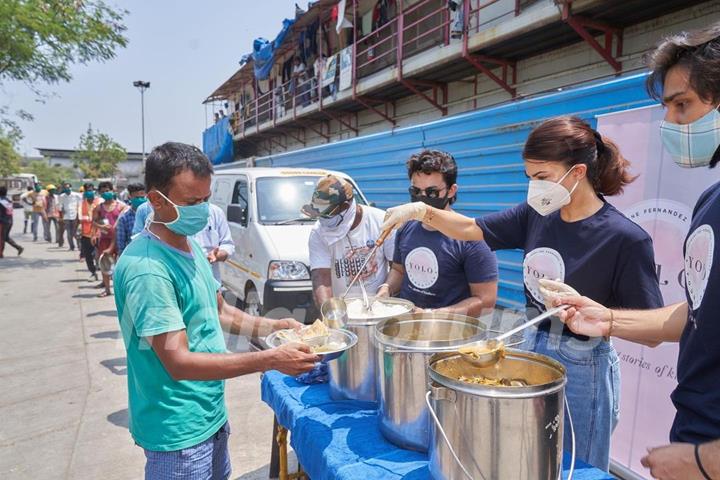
421, 267
542, 263
699, 250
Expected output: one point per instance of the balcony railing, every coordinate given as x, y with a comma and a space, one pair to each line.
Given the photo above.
421, 27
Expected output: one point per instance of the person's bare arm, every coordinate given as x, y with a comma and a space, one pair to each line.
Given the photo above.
677, 461
182, 364
394, 281
322, 285
482, 297
235, 321
647, 327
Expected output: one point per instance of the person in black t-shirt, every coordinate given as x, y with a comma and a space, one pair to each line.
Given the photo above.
429, 269
685, 76
569, 233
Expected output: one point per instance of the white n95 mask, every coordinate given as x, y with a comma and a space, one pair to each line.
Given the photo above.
546, 197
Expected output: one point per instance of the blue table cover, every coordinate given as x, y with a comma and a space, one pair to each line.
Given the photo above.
340, 440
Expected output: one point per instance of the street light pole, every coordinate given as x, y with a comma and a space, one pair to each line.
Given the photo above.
142, 86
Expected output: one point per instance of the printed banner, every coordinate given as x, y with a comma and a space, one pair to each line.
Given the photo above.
345, 68
661, 201
329, 71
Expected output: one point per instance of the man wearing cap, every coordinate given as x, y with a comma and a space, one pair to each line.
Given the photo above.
341, 240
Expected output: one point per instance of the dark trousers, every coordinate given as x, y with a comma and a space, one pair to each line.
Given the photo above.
5, 237
70, 228
88, 251
60, 233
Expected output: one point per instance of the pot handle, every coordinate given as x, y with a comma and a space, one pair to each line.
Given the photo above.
433, 390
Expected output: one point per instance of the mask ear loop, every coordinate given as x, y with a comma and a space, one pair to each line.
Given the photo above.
151, 217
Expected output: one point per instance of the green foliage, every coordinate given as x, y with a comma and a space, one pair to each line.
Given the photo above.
42, 39
49, 173
9, 158
98, 155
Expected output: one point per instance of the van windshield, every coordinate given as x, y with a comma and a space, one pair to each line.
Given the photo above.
279, 199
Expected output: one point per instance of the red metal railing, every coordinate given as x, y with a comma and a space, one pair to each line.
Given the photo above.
425, 25
380, 51
422, 26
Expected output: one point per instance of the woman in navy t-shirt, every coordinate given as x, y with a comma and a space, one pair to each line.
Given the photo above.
569, 233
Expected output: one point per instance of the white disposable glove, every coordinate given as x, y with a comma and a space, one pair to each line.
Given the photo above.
553, 289
396, 217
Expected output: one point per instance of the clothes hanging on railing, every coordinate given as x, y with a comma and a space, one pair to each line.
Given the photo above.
457, 26
287, 68
382, 13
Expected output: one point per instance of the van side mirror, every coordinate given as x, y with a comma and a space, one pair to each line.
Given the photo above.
372, 204
237, 214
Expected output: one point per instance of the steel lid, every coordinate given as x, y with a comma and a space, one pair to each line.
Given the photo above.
429, 331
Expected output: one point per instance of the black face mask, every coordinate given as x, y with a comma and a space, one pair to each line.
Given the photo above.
438, 202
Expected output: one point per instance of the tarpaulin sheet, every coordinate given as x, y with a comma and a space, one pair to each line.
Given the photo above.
264, 51
218, 142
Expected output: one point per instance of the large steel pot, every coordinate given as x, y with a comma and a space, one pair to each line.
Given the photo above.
497, 431
405, 345
354, 375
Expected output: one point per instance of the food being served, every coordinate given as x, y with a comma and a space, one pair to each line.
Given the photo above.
493, 382
480, 350
378, 308
316, 336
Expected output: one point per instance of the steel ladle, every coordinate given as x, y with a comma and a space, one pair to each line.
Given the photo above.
489, 352
334, 310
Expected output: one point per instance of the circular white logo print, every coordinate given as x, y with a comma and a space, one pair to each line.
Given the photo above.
542, 263
421, 267
699, 250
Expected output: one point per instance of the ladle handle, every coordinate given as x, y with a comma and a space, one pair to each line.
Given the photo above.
383, 236
530, 323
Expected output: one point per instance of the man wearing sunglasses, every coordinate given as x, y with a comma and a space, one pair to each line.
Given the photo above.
432, 270
341, 240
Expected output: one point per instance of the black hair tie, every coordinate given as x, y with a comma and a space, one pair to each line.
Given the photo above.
599, 144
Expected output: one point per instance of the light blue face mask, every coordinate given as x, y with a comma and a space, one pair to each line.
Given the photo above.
692, 145
190, 218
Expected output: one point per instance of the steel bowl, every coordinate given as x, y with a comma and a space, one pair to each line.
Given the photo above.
336, 335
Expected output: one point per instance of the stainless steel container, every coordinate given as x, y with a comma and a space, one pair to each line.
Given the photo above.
498, 432
405, 345
354, 375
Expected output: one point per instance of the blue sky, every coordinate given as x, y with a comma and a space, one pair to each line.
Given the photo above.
185, 48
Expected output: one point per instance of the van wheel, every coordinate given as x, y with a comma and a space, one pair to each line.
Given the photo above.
252, 302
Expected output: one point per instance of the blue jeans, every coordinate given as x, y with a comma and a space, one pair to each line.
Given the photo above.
209, 460
592, 391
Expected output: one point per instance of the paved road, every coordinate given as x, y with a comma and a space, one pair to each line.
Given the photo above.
63, 407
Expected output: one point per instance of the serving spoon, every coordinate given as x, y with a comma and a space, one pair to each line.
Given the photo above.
489, 352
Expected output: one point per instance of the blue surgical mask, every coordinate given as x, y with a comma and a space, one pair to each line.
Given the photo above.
694, 144
137, 201
190, 218
107, 196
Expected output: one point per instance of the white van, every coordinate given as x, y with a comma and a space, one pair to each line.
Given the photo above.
269, 273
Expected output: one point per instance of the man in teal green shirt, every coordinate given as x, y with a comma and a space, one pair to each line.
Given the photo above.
171, 316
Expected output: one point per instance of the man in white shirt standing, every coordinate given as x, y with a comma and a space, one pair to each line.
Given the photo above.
215, 239
27, 203
69, 205
342, 239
